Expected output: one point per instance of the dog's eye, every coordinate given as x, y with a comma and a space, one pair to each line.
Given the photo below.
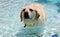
23, 10
31, 9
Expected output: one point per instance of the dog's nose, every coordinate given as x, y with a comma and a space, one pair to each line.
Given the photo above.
26, 16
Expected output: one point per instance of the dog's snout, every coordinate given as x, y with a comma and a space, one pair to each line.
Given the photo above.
26, 16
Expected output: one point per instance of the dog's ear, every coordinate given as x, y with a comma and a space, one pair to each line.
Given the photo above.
21, 16
37, 15
21, 13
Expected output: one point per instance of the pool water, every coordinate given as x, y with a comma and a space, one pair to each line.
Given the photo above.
10, 23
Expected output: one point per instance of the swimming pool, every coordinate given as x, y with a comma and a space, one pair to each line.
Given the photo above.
10, 22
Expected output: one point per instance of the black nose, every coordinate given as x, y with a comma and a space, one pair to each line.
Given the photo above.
26, 16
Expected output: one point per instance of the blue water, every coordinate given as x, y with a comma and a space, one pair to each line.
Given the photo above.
10, 23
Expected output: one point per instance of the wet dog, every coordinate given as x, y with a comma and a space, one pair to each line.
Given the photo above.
33, 17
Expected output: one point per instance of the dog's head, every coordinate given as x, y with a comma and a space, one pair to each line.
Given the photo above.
30, 14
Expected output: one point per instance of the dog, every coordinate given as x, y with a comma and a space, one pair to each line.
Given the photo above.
33, 17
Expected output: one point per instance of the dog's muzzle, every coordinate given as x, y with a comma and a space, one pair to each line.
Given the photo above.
26, 16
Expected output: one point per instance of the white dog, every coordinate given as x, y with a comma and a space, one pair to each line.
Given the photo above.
33, 16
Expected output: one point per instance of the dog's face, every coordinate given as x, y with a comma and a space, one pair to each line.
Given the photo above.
33, 13
29, 15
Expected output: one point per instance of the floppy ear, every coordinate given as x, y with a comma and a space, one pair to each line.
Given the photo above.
37, 15
21, 16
